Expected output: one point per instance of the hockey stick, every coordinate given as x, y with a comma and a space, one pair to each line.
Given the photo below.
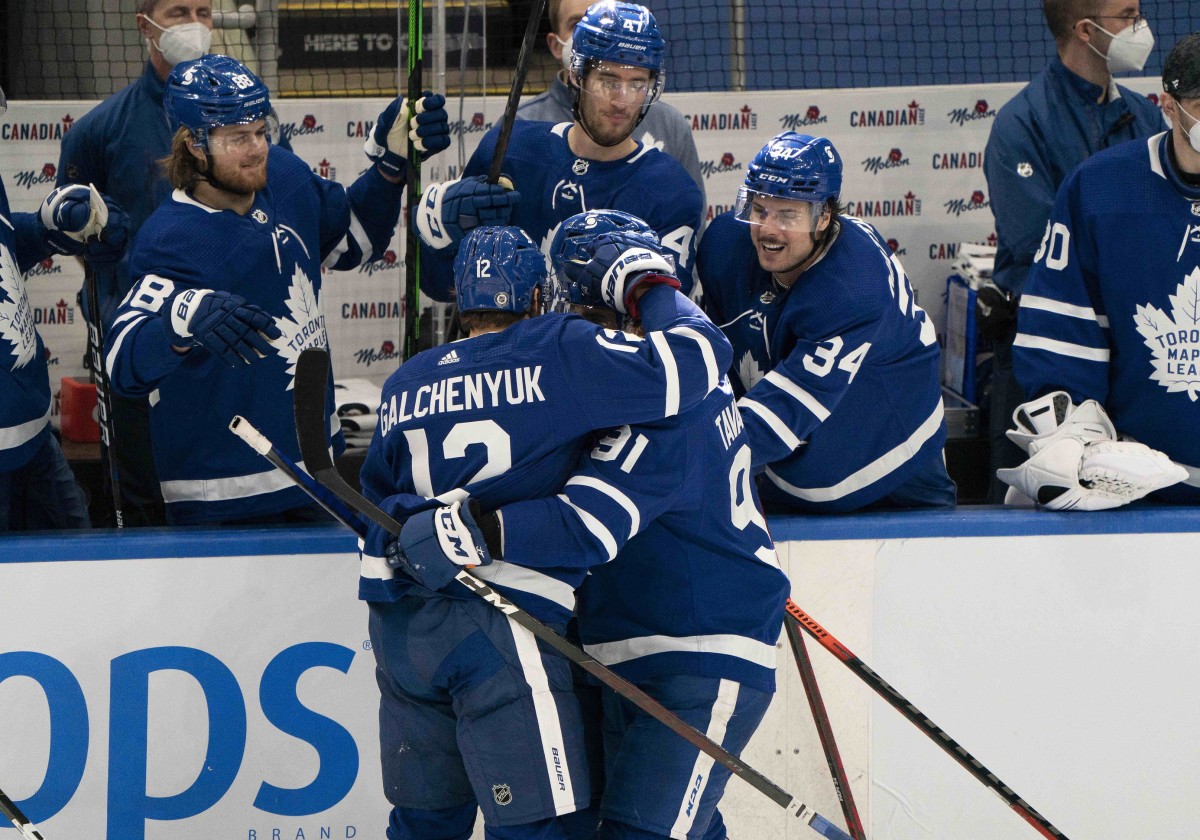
833, 758
334, 506
514, 92
95, 332
14, 815
412, 248
312, 375
918, 719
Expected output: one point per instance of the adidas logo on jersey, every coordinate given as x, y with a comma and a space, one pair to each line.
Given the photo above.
449, 359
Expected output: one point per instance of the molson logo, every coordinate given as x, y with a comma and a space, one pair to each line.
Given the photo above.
894, 244
60, 313
895, 158
726, 164
475, 125
36, 130
914, 114
31, 178
957, 206
744, 120
981, 111
387, 261
907, 205
308, 125
369, 355
949, 250
812, 116
957, 160
44, 268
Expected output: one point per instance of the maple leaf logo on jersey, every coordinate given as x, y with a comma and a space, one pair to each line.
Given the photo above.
1175, 339
16, 318
306, 326
649, 142
748, 371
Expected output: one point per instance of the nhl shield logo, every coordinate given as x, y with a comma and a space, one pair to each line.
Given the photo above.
580, 166
1025, 169
501, 794
259, 216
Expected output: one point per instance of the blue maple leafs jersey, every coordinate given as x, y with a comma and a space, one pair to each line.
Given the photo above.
506, 416
695, 586
838, 376
273, 257
555, 184
1111, 309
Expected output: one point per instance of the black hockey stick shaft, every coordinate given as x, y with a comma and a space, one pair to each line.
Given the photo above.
312, 375
922, 722
537, 7
108, 453
833, 758
412, 248
14, 816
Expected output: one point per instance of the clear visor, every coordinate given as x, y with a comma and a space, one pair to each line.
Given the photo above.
757, 208
619, 82
238, 138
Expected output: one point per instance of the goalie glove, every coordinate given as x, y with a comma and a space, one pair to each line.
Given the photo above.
618, 265
427, 128
450, 210
1076, 462
435, 545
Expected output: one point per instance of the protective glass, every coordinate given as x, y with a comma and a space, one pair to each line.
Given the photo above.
757, 208
239, 138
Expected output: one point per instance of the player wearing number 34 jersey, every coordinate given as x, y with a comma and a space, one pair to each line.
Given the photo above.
835, 364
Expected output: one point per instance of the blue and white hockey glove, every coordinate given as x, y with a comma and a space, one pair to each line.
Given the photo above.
451, 209
428, 129
109, 244
73, 214
619, 264
222, 323
435, 545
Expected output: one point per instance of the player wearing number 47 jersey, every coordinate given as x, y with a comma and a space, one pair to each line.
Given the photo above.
567, 168
473, 711
835, 364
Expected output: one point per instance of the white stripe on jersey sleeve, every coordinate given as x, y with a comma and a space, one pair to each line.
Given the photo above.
1062, 348
375, 568
793, 390
1057, 307
527, 580
728, 644
355, 234
132, 319
671, 369
595, 528
774, 423
710, 358
635, 516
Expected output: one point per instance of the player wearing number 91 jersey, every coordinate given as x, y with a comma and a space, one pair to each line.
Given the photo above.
835, 364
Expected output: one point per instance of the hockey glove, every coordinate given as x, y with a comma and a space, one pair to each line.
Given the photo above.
449, 210
109, 244
70, 215
222, 323
435, 545
618, 264
428, 129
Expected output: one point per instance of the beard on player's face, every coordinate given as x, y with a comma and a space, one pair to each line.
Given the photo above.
241, 174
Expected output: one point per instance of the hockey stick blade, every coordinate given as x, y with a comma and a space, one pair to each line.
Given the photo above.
514, 92
14, 815
312, 374
921, 721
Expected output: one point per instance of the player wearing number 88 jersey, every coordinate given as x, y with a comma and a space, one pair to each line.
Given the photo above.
835, 364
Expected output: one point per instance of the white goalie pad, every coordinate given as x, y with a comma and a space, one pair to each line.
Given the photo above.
1043, 421
1072, 474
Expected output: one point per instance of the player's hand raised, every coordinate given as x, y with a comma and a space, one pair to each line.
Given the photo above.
222, 323
435, 545
74, 214
450, 210
428, 129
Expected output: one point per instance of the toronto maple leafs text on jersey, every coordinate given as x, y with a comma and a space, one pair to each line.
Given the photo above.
837, 376
272, 256
1111, 309
555, 184
522, 444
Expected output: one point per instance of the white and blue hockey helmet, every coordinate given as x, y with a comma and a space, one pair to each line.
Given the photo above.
623, 34
579, 236
791, 166
215, 91
497, 269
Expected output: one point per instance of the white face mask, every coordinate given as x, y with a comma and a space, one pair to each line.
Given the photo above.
1128, 49
1194, 131
566, 51
185, 42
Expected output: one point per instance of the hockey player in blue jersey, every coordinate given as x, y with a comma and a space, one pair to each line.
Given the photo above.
488, 718
37, 489
1107, 341
229, 273
689, 609
566, 168
835, 365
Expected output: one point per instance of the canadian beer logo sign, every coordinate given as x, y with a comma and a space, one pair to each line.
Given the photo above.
745, 119
913, 114
1174, 338
36, 130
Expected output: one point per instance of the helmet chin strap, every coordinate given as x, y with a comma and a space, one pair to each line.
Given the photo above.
576, 111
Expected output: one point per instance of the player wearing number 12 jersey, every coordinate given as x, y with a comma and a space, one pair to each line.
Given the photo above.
472, 711
835, 364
